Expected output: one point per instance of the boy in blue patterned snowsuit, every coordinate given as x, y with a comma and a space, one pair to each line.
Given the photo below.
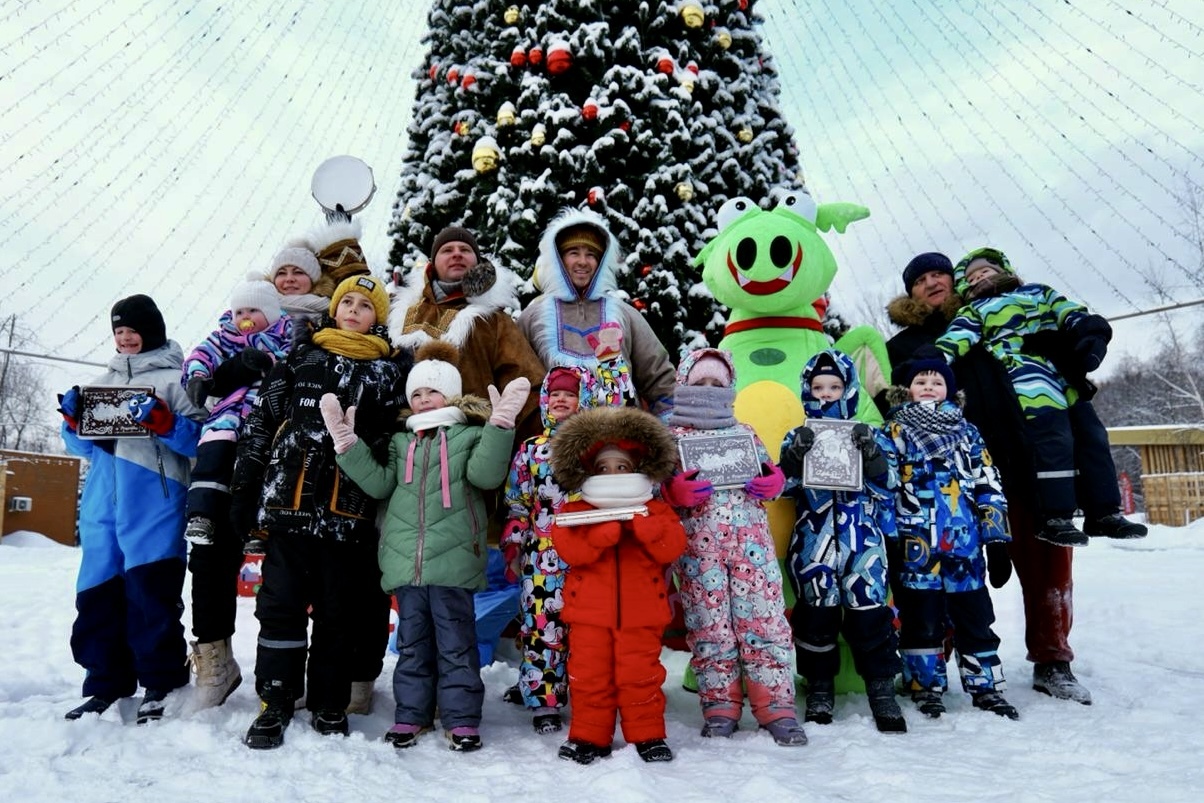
949, 504
836, 559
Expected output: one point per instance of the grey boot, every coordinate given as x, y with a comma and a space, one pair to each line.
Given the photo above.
821, 701
887, 714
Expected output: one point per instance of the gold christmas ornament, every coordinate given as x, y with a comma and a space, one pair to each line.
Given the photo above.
724, 39
539, 135
692, 15
506, 115
485, 155
745, 135
510, 15
684, 190
687, 83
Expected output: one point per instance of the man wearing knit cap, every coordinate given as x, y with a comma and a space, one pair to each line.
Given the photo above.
461, 299
577, 319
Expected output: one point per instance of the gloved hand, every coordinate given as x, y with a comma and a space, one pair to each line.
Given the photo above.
607, 342
258, 361
686, 490
872, 459
512, 554
999, 564
151, 412
507, 404
1091, 351
340, 426
794, 451
69, 407
604, 534
198, 388
768, 485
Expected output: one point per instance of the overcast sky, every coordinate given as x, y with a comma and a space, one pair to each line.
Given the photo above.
167, 147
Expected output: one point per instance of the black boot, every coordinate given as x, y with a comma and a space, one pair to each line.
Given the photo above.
151, 707
1055, 679
993, 701
93, 705
582, 752
1061, 532
887, 714
267, 731
821, 701
654, 750
1115, 526
929, 702
330, 723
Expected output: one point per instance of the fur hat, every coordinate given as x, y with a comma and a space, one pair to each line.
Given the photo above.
906, 372
139, 313
299, 256
435, 367
258, 295
561, 378
455, 234
710, 365
582, 234
579, 440
371, 287
337, 248
925, 263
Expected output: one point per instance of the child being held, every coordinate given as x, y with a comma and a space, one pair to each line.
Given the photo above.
731, 584
1016, 322
837, 556
432, 549
255, 332
949, 504
615, 599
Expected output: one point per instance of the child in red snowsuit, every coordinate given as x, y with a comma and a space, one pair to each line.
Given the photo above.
616, 602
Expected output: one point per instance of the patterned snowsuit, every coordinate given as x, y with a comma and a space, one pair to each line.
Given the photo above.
836, 559
131, 529
731, 589
948, 505
532, 497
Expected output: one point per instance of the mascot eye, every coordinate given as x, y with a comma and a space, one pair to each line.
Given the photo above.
800, 203
733, 209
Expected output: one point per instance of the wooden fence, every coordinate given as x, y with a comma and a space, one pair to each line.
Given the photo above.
1172, 470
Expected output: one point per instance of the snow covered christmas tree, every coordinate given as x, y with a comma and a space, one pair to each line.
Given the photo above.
652, 113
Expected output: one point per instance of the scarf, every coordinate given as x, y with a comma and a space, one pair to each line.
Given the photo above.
936, 428
703, 407
419, 422
355, 345
444, 291
304, 304
616, 490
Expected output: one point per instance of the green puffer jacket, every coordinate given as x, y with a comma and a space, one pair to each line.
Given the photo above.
423, 541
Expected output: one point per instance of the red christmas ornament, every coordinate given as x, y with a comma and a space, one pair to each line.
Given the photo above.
560, 58
453, 75
460, 127
692, 67
594, 196
743, 5
644, 271
469, 80
590, 110
639, 304
535, 55
625, 125
518, 57
434, 71
665, 65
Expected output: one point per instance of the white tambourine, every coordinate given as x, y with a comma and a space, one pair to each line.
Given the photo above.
343, 185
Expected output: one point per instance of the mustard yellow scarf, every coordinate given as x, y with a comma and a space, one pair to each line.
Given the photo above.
355, 345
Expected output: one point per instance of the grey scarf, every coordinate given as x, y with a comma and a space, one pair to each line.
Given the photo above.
703, 407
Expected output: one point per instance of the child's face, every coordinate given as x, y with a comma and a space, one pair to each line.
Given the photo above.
980, 270
355, 313
292, 281
127, 340
928, 386
708, 381
827, 388
249, 319
614, 463
562, 404
426, 399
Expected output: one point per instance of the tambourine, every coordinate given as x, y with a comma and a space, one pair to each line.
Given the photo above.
342, 186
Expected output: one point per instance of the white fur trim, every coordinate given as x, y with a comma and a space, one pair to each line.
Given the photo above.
549, 276
501, 297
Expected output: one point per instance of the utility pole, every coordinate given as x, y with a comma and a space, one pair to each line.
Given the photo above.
12, 329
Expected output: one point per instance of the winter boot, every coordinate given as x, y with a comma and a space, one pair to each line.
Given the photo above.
361, 697
512, 695
1061, 532
267, 731
1115, 526
546, 720
887, 714
821, 701
993, 701
152, 706
217, 673
1056, 680
786, 732
464, 739
403, 735
929, 702
93, 705
199, 531
582, 752
330, 723
721, 727
654, 750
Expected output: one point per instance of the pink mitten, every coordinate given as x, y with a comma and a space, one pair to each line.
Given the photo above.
768, 485
341, 427
508, 403
607, 343
685, 490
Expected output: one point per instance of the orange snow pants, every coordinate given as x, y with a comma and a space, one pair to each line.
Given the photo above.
616, 671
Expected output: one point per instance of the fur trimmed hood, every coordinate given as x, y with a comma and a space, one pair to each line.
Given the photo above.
549, 276
577, 438
906, 311
500, 297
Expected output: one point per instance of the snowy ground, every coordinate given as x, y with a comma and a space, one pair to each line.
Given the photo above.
1138, 635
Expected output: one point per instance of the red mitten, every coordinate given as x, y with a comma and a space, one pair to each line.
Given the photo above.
151, 412
603, 535
686, 490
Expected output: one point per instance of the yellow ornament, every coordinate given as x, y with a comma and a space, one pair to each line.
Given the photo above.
685, 190
506, 114
692, 15
510, 15
485, 155
539, 135
687, 83
745, 135
724, 39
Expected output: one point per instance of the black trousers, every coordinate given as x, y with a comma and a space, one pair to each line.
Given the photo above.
1073, 463
870, 634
